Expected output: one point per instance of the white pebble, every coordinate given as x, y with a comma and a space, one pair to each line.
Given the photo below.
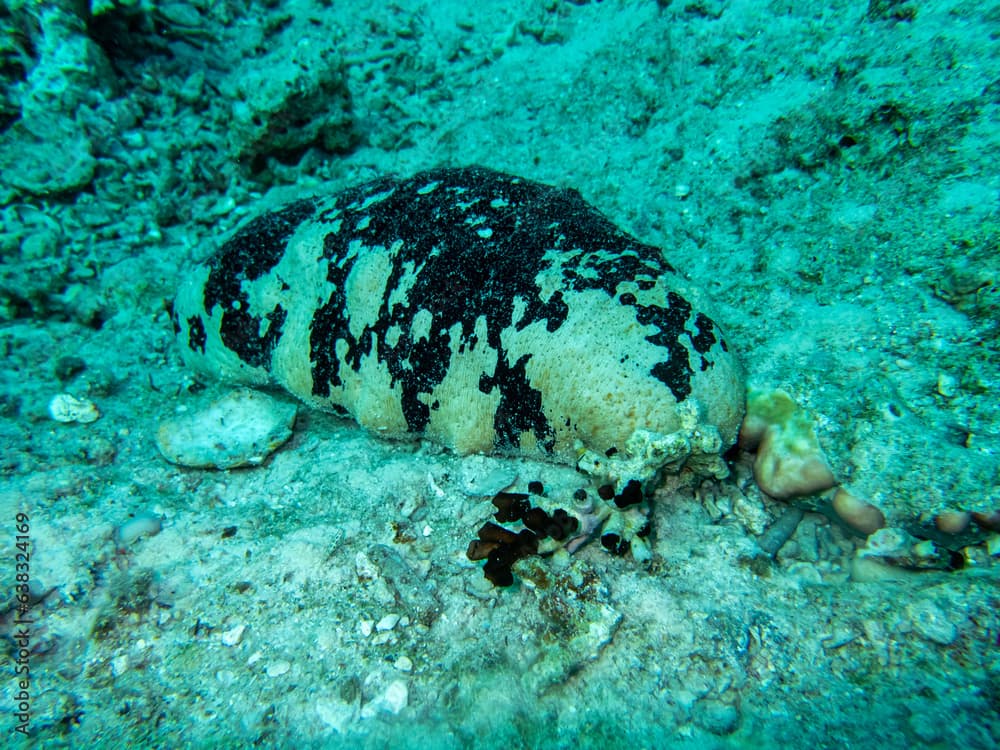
404, 664
396, 697
278, 668
365, 626
119, 665
65, 408
144, 524
223, 207
387, 623
233, 636
225, 677
335, 713
392, 701
438, 492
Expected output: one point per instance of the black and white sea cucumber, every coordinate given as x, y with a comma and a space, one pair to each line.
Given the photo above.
479, 310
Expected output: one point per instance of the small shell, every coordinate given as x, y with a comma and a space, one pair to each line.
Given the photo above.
67, 409
144, 524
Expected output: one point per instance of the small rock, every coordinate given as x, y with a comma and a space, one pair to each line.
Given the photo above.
716, 717
392, 701
396, 697
404, 664
336, 714
225, 677
930, 622
387, 623
240, 429
61, 161
805, 573
278, 668
119, 665
233, 636
99, 451
481, 476
947, 385
143, 524
993, 545
926, 725
66, 408
839, 638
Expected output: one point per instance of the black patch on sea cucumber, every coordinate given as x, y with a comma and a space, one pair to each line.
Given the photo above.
675, 372
330, 323
705, 338
520, 406
252, 252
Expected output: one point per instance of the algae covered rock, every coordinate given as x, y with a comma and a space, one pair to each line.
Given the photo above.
289, 99
241, 429
790, 462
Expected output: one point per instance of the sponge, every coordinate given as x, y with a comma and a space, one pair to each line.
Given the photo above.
790, 462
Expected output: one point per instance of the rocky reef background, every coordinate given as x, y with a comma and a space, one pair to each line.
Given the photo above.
826, 170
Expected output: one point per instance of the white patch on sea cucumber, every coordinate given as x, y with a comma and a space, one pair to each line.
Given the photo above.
376, 198
365, 288
407, 278
518, 306
421, 327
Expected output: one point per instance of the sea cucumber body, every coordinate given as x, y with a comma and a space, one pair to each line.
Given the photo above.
479, 310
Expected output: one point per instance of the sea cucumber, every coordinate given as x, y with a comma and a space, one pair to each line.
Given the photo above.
479, 310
